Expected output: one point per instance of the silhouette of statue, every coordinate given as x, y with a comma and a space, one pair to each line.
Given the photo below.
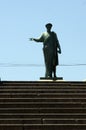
51, 48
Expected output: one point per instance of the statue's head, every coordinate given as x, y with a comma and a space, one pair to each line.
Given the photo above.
48, 25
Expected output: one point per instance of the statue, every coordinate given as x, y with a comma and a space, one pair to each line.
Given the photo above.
51, 48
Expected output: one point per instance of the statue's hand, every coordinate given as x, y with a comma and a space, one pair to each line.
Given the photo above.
59, 51
31, 39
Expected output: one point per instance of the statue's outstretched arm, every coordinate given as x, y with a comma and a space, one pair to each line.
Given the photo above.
34, 39
40, 39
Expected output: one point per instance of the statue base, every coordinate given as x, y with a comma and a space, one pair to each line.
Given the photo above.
53, 78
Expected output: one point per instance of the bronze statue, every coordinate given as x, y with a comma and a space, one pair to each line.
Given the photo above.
51, 48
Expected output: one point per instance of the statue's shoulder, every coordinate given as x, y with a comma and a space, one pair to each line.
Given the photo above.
45, 34
53, 33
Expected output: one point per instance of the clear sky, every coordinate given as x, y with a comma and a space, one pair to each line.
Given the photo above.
21, 59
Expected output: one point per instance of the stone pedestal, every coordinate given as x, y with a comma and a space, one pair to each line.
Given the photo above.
48, 78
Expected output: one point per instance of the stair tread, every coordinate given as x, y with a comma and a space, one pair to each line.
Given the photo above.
45, 114
43, 124
42, 98
43, 102
48, 108
42, 89
38, 94
2, 119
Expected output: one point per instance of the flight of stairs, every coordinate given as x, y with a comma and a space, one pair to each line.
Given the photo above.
42, 105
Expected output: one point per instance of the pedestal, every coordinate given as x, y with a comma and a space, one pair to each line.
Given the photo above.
48, 78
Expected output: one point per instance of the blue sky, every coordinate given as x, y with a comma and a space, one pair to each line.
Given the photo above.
21, 59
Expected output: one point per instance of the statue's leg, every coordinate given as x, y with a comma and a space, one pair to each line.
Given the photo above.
48, 72
54, 71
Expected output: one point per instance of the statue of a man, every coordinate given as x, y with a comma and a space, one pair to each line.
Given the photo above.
51, 48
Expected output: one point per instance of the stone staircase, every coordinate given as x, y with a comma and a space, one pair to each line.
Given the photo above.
42, 105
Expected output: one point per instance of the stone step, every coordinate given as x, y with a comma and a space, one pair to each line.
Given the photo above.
46, 86
43, 110
43, 104
42, 121
44, 115
41, 83
42, 126
44, 99
10, 90
45, 95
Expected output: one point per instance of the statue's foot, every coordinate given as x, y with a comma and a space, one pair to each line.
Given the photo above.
49, 76
55, 76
